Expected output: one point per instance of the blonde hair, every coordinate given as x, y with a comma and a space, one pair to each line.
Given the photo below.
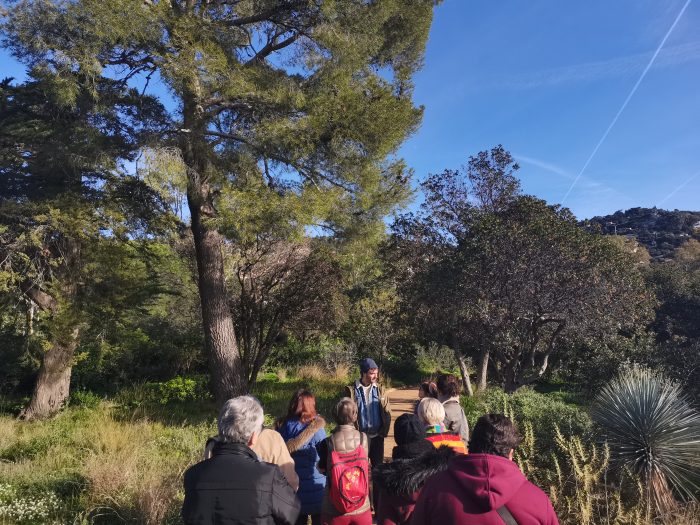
431, 411
346, 411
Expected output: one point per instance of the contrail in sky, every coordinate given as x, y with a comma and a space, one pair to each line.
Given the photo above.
624, 104
679, 188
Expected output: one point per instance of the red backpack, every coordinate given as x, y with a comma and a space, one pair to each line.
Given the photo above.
349, 475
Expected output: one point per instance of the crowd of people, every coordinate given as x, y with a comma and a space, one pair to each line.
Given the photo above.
295, 473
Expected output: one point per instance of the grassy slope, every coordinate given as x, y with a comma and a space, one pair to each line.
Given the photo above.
121, 461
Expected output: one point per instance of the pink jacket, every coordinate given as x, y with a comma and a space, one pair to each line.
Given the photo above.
474, 486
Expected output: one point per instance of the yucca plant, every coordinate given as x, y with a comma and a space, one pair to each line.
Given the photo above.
651, 429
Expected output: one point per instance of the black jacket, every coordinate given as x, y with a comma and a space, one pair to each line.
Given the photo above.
234, 487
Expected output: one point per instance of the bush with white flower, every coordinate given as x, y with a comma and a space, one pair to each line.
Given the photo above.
26, 508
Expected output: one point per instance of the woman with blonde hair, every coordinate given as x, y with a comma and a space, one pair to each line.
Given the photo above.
432, 415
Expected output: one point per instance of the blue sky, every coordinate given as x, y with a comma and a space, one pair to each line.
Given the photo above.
546, 79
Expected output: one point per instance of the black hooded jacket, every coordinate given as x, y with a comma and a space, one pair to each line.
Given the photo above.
401, 481
234, 487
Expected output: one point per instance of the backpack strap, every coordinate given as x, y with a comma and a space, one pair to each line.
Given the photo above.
506, 516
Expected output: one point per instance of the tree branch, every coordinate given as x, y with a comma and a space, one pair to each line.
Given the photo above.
43, 300
271, 47
306, 172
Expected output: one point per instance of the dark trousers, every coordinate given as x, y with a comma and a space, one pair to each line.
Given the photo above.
376, 457
376, 450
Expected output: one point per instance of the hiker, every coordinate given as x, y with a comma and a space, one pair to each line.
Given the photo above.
302, 429
344, 460
271, 448
234, 486
432, 414
484, 487
414, 460
374, 411
426, 389
448, 387
409, 434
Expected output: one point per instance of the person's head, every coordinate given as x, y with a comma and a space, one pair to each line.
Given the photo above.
494, 434
369, 371
240, 420
346, 412
302, 406
407, 429
427, 389
448, 385
431, 412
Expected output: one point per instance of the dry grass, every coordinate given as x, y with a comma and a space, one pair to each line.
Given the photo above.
340, 372
311, 373
102, 465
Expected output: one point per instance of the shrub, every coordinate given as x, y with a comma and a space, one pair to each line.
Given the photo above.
652, 430
544, 412
180, 389
435, 358
21, 508
85, 399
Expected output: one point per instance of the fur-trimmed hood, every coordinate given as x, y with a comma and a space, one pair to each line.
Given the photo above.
403, 477
301, 439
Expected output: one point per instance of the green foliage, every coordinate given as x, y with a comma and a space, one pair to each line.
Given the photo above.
676, 283
180, 389
652, 430
435, 358
544, 412
295, 128
507, 277
22, 508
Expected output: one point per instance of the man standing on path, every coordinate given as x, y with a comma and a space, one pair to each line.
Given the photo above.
374, 412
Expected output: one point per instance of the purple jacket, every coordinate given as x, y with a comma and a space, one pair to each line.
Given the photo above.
474, 486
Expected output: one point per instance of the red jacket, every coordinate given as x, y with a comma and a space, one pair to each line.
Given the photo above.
473, 487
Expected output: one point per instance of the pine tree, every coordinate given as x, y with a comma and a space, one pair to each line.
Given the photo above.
305, 99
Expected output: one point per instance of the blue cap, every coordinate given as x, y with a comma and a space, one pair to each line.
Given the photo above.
367, 364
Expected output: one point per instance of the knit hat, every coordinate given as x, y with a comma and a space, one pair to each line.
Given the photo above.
367, 364
408, 428
409, 434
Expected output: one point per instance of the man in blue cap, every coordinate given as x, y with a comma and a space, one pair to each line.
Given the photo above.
373, 410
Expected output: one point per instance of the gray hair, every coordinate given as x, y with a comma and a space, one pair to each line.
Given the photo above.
240, 418
431, 411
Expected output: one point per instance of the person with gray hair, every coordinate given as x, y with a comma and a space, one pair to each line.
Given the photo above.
234, 486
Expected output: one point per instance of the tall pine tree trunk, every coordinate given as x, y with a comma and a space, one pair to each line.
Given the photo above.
52, 386
219, 335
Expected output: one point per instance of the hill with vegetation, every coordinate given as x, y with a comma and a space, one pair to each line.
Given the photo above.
659, 231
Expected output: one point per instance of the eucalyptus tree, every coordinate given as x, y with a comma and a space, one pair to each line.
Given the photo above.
311, 97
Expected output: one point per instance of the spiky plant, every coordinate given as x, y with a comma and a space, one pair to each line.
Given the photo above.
651, 428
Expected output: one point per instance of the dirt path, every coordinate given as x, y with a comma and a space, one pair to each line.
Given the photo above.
402, 401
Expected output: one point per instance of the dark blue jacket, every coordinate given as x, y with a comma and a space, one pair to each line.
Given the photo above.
301, 441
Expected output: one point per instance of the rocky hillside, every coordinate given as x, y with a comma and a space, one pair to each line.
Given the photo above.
659, 231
